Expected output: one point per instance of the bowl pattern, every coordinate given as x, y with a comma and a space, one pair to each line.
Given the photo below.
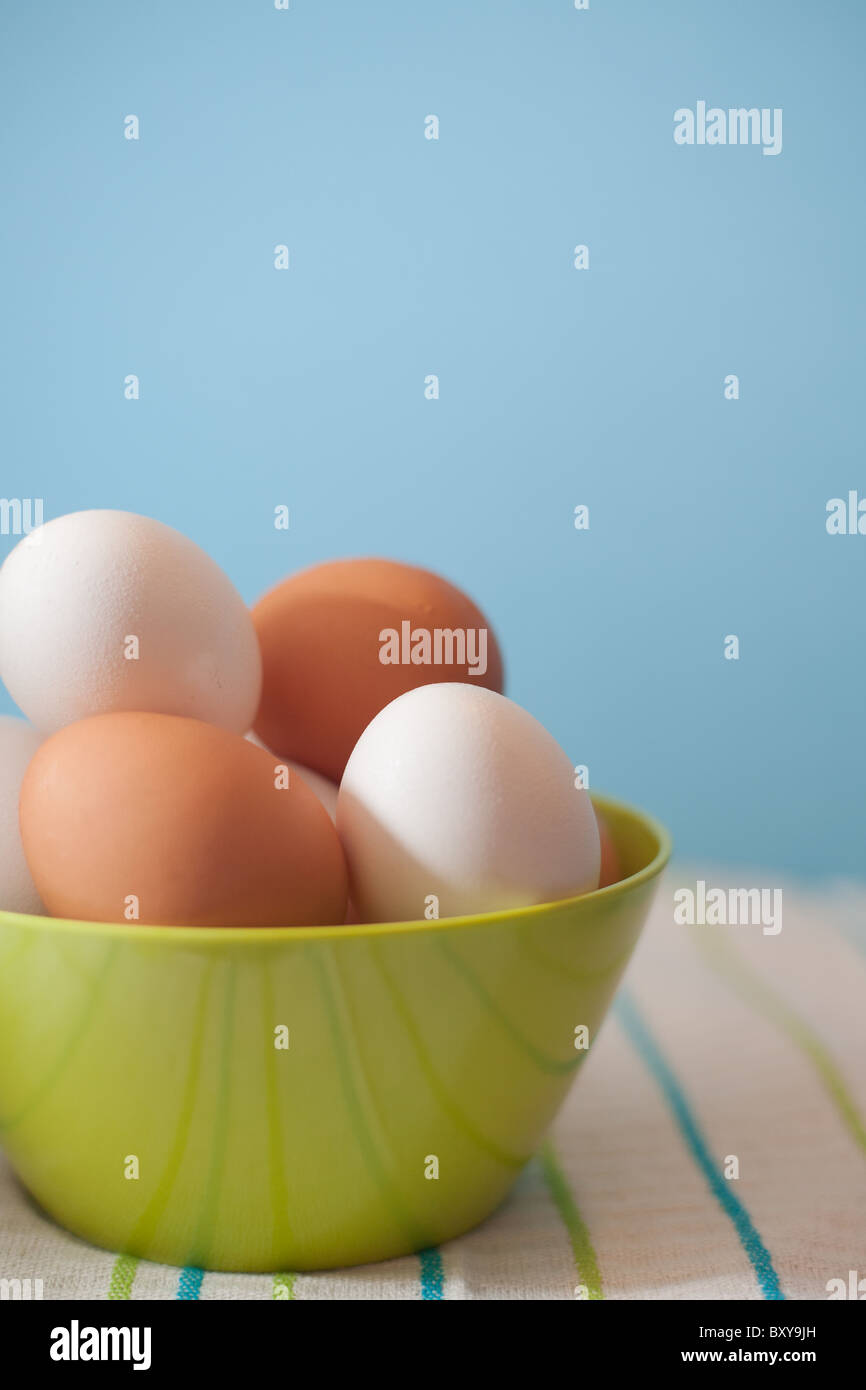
301, 1098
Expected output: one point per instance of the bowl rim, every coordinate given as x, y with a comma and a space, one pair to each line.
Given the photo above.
181, 935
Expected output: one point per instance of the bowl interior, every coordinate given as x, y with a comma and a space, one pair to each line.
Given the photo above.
642, 843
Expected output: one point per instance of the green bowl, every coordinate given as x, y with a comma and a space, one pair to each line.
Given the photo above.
146, 1105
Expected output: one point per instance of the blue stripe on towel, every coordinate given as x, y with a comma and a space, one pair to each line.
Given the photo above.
432, 1273
646, 1046
190, 1281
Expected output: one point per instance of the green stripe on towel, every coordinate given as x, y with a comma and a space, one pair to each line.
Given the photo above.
585, 1261
123, 1277
747, 983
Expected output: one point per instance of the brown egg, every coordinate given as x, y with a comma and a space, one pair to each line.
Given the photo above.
611, 869
342, 640
167, 820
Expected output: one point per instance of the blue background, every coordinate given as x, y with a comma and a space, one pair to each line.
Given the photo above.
558, 387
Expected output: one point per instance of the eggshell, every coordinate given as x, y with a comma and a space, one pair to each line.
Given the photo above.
455, 793
76, 595
18, 743
321, 634
325, 789
187, 817
611, 869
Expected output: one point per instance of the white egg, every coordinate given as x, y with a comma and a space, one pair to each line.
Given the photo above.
454, 793
106, 610
18, 743
324, 788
